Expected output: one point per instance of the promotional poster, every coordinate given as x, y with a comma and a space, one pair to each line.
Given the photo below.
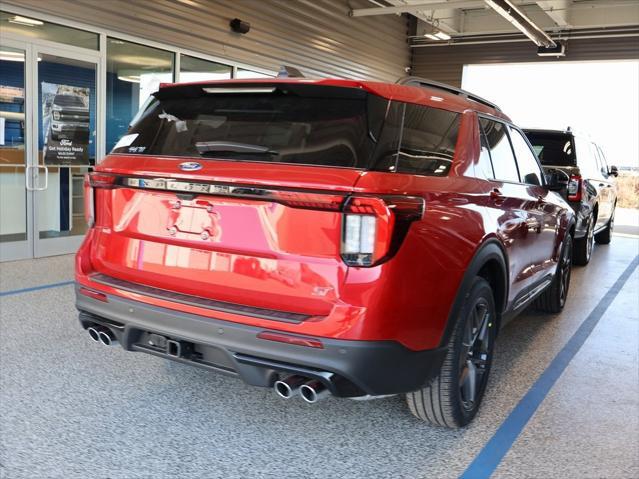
66, 124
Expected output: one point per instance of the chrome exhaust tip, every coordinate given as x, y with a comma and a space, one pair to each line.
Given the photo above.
94, 334
105, 336
313, 391
289, 387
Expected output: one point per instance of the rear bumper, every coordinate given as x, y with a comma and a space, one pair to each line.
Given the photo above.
348, 368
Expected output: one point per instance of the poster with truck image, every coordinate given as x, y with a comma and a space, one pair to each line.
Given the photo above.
66, 124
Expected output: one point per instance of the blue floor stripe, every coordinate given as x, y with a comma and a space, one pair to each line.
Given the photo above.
494, 451
35, 288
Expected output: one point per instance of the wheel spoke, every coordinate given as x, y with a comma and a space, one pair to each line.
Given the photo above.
469, 387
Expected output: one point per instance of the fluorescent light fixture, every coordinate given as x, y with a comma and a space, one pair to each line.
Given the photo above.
442, 36
130, 78
437, 35
11, 56
29, 22
521, 22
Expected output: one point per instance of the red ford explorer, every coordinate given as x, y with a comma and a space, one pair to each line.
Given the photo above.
324, 237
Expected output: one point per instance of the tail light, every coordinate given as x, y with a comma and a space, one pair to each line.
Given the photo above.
91, 181
575, 188
373, 225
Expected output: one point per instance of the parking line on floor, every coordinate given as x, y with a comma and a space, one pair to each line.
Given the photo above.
498, 446
35, 288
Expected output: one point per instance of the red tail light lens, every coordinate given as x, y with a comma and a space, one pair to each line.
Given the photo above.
369, 232
89, 202
291, 339
102, 180
314, 201
91, 181
575, 188
93, 294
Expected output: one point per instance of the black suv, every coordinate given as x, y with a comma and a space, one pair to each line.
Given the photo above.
592, 191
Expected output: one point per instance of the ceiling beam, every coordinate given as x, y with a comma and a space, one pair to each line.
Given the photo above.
557, 10
520, 21
366, 12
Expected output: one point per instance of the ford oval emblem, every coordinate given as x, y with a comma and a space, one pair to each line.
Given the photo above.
190, 166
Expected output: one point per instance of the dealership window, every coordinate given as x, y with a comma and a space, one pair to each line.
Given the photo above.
134, 72
35, 28
196, 69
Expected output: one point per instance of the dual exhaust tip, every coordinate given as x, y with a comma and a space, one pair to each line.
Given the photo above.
102, 335
311, 390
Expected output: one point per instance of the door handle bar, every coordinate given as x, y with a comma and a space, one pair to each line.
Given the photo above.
27, 175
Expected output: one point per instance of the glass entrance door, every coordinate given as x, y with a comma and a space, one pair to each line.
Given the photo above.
16, 202
48, 124
66, 149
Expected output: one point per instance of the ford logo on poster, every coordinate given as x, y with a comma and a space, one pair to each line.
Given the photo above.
190, 166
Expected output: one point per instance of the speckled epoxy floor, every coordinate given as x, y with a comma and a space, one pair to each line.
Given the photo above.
72, 409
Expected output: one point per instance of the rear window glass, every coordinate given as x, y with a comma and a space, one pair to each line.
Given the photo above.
314, 126
298, 124
553, 149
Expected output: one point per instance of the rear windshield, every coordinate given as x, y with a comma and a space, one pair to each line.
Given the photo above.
298, 124
553, 149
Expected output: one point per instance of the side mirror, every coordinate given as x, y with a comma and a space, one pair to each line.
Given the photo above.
613, 171
556, 180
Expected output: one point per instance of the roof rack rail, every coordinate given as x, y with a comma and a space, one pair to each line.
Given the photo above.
424, 82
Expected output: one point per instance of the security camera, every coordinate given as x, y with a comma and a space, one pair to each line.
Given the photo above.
407, 69
239, 26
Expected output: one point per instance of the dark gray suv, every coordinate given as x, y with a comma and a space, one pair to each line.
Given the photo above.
592, 191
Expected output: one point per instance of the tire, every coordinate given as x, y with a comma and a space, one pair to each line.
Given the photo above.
553, 299
582, 247
605, 235
451, 399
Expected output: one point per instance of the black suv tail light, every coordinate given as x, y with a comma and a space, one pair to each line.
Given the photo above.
575, 188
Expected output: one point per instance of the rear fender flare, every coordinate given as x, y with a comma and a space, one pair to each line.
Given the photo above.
490, 250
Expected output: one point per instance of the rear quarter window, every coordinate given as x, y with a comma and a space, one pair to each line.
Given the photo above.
417, 140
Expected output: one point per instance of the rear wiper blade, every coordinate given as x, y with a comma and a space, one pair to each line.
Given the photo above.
204, 147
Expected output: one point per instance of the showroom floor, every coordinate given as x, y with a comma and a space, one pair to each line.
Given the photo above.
73, 409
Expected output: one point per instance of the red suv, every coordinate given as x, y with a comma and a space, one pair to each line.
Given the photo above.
324, 237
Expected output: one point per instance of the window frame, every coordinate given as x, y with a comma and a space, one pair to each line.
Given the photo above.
532, 150
510, 124
512, 150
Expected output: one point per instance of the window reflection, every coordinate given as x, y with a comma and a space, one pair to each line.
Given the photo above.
195, 69
133, 72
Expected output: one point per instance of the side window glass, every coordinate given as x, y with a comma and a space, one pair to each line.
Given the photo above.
529, 169
604, 162
417, 140
428, 141
601, 163
586, 160
501, 153
484, 168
